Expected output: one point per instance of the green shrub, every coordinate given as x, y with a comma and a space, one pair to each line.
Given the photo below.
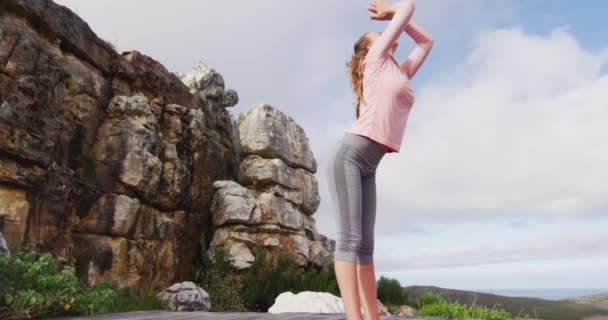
429, 297
270, 276
256, 288
462, 311
125, 300
36, 285
219, 280
390, 292
87, 165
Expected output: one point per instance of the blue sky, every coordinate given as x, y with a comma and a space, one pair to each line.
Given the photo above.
502, 178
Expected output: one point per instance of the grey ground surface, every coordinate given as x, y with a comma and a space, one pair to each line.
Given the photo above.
158, 315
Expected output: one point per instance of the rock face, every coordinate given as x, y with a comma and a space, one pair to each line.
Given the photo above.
185, 296
107, 159
208, 83
277, 196
113, 162
270, 133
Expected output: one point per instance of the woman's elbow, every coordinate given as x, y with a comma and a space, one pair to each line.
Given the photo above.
429, 42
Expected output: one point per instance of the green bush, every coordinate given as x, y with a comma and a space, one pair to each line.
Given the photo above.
36, 285
434, 304
390, 292
256, 288
87, 165
270, 276
429, 297
462, 311
218, 279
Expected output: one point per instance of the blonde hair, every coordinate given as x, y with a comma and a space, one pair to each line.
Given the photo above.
354, 69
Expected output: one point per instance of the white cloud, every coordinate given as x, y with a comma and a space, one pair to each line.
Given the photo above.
558, 274
557, 246
518, 130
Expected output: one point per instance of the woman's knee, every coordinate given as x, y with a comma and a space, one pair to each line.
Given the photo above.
358, 246
355, 253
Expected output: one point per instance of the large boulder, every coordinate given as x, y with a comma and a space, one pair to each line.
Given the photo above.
276, 196
208, 83
231, 203
313, 302
406, 311
307, 301
382, 309
295, 184
244, 218
270, 133
185, 296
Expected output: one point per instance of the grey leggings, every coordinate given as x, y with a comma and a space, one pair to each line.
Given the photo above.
351, 176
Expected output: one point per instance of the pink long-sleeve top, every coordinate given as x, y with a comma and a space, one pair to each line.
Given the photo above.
387, 93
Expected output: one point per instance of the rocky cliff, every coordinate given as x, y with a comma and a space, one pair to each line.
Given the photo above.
277, 196
116, 163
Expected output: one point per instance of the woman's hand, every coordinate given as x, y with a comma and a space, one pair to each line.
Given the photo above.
382, 10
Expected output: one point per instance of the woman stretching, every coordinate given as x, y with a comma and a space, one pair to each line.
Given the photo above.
384, 100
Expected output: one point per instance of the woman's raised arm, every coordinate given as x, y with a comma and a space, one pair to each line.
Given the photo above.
424, 43
401, 15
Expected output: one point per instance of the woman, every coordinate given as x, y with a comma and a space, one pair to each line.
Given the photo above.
384, 100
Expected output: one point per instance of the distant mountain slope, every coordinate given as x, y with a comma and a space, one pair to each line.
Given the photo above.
535, 307
596, 300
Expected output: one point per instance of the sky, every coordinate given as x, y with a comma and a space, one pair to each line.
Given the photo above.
502, 178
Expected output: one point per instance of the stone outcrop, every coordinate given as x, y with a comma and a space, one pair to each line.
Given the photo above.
185, 296
406, 311
209, 84
114, 162
107, 159
270, 133
274, 203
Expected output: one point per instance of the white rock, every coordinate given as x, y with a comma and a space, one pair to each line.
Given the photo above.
313, 302
240, 256
307, 301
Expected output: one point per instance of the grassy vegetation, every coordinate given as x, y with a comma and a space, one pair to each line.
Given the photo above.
433, 304
256, 288
87, 165
270, 276
534, 307
430, 303
216, 277
37, 285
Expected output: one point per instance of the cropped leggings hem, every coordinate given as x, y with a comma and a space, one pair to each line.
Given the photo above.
351, 176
